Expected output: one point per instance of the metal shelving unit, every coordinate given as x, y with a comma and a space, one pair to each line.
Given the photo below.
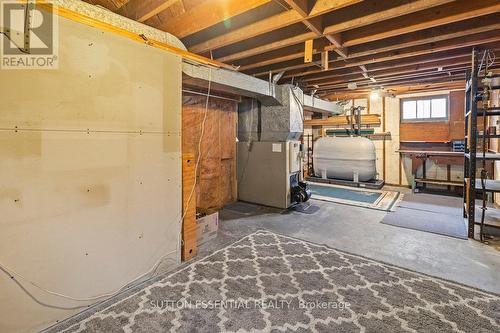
476, 92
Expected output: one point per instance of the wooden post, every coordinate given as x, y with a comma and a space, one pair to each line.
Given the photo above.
189, 244
308, 51
325, 64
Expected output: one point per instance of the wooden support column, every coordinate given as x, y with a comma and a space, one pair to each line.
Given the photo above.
308, 51
189, 244
384, 122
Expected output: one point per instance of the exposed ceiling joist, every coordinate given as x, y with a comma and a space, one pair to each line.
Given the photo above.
303, 7
207, 14
269, 47
368, 42
270, 24
453, 12
364, 20
142, 10
397, 89
393, 69
419, 49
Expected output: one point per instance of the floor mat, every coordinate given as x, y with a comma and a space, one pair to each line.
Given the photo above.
433, 203
267, 282
430, 213
374, 199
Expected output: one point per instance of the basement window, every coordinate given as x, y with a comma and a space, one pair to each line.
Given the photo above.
430, 108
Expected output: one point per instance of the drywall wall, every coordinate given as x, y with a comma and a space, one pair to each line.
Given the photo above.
90, 173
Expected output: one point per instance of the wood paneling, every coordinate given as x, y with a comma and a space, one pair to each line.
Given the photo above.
216, 173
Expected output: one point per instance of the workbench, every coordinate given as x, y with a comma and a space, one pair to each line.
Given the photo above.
420, 158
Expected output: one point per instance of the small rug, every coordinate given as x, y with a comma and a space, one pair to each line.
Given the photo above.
266, 282
374, 199
429, 213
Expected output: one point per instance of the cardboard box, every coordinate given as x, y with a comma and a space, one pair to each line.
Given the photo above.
206, 228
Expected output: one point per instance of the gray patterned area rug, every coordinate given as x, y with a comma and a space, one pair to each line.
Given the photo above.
271, 283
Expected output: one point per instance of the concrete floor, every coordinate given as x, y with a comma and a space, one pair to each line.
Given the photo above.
359, 231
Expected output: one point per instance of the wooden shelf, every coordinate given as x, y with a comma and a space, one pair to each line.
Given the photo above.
366, 119
439, 182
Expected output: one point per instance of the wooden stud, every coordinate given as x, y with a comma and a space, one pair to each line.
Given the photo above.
384, 151
325, 64
189, 241
308, 51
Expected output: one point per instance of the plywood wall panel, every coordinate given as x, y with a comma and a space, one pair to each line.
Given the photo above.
216, 176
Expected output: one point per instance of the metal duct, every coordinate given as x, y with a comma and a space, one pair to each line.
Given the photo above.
240, 84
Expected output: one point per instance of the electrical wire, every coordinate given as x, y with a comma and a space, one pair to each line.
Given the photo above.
202, 131
13, 274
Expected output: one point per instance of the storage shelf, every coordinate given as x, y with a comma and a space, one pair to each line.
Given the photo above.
487, 136
490, 185
439, 182
488, 112
476, 86
489, 156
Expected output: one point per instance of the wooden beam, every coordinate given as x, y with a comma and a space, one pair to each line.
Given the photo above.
396, 89
429, 36
364, 20
315, 24
268, 47
449, 13
417, 63
319, 47
206, 14
426, 80
336, 40
451, 44
270, 24
92, 22
395, 69
142, 10
303, 7
399, 76
454, 30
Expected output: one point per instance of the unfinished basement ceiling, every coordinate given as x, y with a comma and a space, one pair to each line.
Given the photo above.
398, 45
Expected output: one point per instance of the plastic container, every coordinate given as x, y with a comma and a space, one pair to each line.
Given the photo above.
346, 158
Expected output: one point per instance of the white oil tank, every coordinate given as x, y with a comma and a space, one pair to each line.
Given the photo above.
345, 158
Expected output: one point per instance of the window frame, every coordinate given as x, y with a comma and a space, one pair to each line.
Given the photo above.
424, 120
